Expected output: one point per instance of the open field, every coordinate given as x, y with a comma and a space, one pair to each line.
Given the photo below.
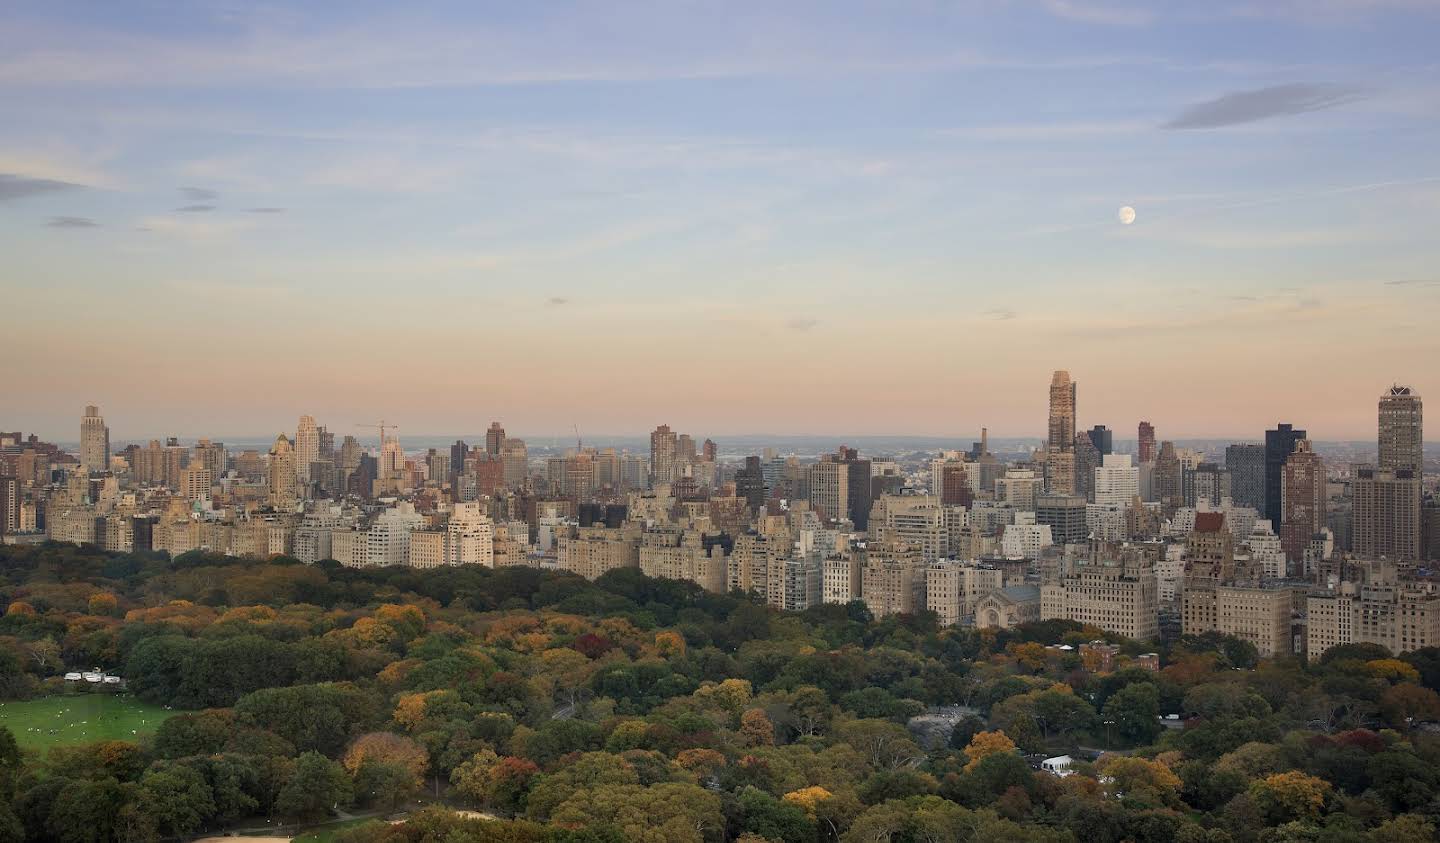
326, 832
79, 718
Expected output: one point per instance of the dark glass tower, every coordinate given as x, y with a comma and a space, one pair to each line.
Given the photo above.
1279, 444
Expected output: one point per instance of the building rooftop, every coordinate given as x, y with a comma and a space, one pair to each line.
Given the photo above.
1209, 522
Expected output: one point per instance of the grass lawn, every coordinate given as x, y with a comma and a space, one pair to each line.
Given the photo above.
79, 718
326, 832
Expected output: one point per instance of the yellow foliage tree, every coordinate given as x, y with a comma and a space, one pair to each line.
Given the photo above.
1029, 655
242, 614
1284, 797
408, 621
701, 762
410, 708
627, 734
532, 642
985, 744
102, 603
395, 672
808, 799
670, 643
565, 624
1392, 670
387, 748
367, 633
1141, 780
731, 695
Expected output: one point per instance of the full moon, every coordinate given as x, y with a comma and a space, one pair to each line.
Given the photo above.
1127, 215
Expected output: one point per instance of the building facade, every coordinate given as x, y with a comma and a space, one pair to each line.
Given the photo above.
1124, 599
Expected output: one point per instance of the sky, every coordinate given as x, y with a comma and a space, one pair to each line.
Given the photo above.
737, 217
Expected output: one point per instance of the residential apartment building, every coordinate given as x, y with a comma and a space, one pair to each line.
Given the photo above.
1379, 609
953, 588
1120, 598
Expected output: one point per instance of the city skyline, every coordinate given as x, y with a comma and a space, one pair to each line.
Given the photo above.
718, 421
477, 431
908, 214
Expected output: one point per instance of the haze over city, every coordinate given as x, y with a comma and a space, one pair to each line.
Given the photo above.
686, 421
800, 218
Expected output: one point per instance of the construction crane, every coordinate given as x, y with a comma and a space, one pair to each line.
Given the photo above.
383, 426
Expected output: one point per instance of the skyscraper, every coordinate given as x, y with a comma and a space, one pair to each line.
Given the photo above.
1302, 511
516, 461
955, 483
458, 452
94, 441
1062, 412
830, 487
1168, 478
9, 505
1387, 498
1103, 439
195, 481
858, 485
307, 447
1060, 447
211, 455
1385, 519
1117, 481
1208, 483
281, 474
1065, 515
494, 439
1279, 444
1401, 431
1087, 459
347, 459
1145, 442
663, 445
750, 484
1246, 464
392, 461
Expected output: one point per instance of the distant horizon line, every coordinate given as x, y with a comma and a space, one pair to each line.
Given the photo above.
838, 439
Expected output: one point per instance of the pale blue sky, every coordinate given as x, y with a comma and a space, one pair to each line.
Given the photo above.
818, 217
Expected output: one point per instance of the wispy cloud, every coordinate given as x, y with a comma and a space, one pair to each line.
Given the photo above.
1106, 14
199, 194
1414, 282
72, 222
1241, 107
195, 209
195, 227
264, 210
802, 324
14, 186
387, 50
1330, 12
1223, 235
1002, 314
1047, 131
556, 301
1281, 308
